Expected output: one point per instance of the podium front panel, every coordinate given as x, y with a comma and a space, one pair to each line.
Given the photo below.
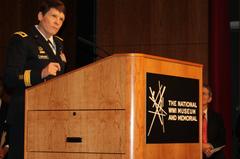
100, 111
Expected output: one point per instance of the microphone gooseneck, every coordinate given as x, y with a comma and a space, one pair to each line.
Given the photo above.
92, 44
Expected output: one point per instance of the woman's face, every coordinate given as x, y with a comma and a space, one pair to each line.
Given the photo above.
51, 22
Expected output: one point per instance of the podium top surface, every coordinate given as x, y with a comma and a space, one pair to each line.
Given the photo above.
127, 56
153, 57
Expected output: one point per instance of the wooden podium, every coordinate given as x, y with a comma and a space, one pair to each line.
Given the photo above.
99, 111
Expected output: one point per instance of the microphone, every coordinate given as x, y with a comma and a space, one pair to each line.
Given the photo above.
92, 44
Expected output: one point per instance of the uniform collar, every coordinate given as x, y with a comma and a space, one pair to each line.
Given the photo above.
51, 37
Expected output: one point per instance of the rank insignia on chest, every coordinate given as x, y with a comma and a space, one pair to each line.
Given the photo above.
41, 51
43, 57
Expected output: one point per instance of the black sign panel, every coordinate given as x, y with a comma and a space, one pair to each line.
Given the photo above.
172, 109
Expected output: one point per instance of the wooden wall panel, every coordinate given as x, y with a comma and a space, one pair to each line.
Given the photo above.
179, 22
123, 22
173, 29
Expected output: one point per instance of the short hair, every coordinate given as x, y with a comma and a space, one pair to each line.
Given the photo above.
46, 5
209, 89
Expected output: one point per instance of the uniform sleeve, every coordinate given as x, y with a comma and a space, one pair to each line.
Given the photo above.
17, 73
